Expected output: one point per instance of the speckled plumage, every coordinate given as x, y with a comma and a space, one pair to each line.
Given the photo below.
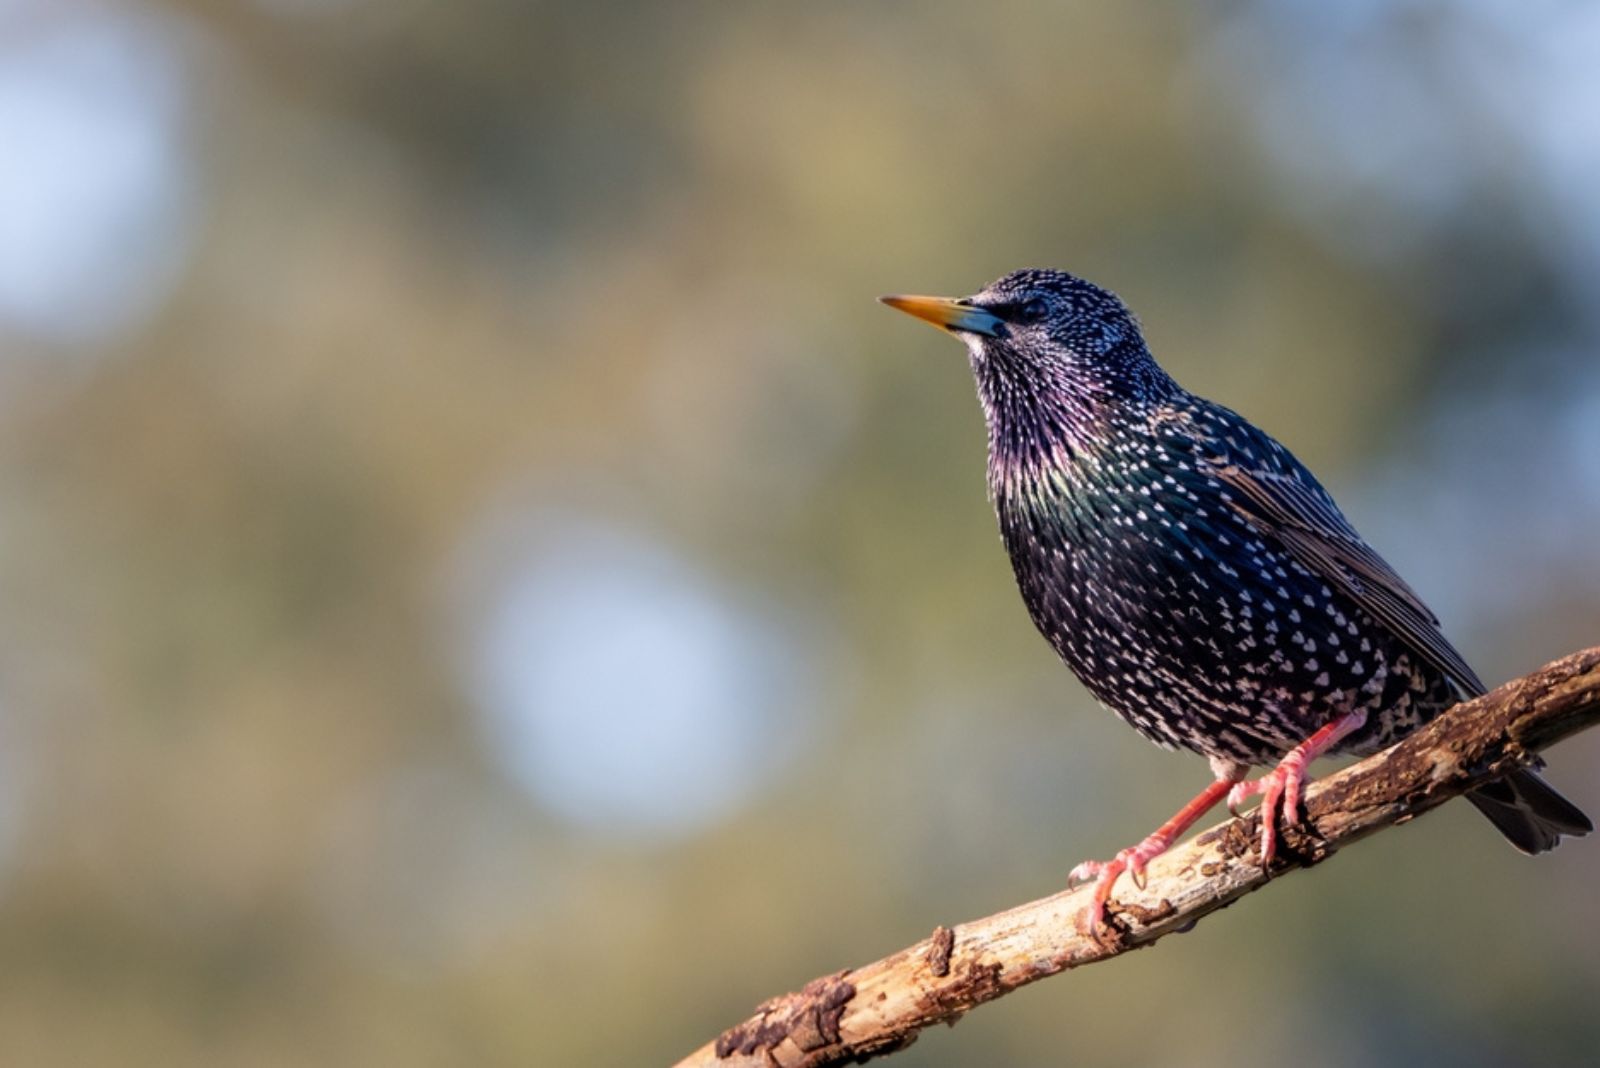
1191, 572
1180, 615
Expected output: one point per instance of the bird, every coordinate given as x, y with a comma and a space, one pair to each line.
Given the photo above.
1194, 575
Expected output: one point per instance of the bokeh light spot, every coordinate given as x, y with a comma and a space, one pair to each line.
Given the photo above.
94, 193
627, 691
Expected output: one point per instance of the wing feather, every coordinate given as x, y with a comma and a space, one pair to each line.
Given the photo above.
1307, 522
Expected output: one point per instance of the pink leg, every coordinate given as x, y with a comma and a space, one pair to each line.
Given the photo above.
1134, 858
1280, 788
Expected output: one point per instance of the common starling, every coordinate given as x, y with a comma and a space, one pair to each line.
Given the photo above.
1193, 574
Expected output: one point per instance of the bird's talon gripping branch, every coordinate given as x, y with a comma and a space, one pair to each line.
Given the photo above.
1103, 873
1277, 801
1282, 787
1134, 859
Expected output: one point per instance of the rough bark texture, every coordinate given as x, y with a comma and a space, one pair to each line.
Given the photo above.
880, 1007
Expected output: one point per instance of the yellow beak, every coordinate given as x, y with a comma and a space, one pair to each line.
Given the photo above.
958, 316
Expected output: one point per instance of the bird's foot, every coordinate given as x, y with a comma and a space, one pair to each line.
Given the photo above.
1280, 788
1104, 873
1134, 858
1280, 791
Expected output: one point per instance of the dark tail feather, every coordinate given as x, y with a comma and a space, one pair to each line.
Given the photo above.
1529, 812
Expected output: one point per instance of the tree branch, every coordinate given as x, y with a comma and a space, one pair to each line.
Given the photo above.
880, 1007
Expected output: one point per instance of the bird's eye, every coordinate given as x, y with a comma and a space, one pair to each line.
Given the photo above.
1031, 311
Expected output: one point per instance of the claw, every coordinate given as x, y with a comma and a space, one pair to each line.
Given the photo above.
1086, 872
1240, 793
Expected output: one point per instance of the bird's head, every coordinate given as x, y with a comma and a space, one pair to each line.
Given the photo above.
1045, 342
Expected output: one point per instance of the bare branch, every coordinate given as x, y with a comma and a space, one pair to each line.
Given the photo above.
880, 1007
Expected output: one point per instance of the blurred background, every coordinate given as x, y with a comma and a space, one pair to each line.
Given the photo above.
481, 582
